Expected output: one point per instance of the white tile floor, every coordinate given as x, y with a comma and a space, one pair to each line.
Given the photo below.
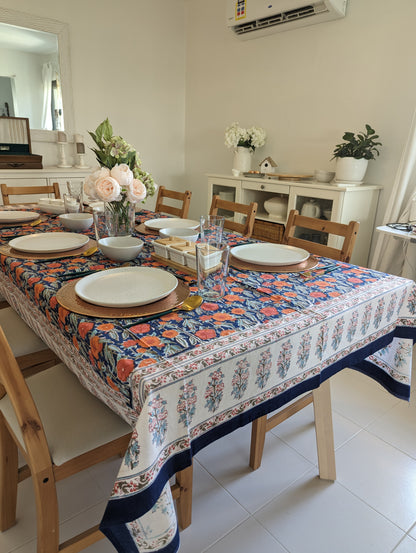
282, 507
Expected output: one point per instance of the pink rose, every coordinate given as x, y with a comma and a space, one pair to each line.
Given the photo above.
90, 181
137, 191
122, 174
108, 189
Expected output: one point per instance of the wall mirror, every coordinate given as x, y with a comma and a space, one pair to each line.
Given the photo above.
34, 56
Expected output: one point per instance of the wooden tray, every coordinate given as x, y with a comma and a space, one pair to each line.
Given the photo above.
307, 265
67, 297
183, 268
10, 252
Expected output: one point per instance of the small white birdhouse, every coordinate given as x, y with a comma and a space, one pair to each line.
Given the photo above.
267, 165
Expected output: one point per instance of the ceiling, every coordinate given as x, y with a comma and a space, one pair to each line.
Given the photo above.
27, 40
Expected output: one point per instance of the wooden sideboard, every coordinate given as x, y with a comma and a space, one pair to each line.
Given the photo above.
337, 203
40, 177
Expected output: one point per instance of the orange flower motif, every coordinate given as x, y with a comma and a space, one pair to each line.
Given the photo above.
170, 333
38, 290
268, 311
140, 328
227, 332
53, 302
232, 297
96, 346
106, 326
112, 384
238, 311
146, 362
208, 306
19, 272
84, 328
150, 341
50, 279
206, 334
124, 369
62, 314
222, 317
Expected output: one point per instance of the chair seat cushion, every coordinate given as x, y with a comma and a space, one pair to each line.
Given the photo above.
74, 420
20, 336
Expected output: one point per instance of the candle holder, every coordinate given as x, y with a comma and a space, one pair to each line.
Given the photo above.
80, 153
62, 158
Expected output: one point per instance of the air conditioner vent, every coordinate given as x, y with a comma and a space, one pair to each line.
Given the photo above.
280, 18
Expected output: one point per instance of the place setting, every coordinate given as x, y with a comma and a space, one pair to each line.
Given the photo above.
49, 245
124, 292
153, 226
271, 258
14, 218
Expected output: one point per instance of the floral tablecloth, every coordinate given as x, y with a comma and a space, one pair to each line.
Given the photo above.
188, 378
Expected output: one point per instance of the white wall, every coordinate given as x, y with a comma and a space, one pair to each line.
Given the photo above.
128, 64
27, 69
304, 86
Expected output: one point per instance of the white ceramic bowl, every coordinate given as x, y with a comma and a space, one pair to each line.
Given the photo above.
324, 176
120, 248
76, 221
276, 207
185, 233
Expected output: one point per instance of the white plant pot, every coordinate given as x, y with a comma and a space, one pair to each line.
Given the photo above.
350, 170
242, 160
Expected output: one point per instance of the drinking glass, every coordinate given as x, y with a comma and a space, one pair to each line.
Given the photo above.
212, 268
74, 198
212, 227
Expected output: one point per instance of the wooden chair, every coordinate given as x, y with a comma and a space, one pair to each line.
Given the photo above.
31, 353
347, 232
249, 211
7, 191
184, 197
57, 441
321, 397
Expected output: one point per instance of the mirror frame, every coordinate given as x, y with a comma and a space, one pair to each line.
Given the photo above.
31, 21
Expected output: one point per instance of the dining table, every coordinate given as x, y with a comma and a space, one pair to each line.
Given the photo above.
184, 379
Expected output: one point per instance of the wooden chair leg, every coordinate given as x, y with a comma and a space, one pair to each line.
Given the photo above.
324, 431
8, 477
46, 512
258, 436
184, 499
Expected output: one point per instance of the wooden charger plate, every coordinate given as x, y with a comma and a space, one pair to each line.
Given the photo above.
67, 297
306, 265
142, 229
6, 249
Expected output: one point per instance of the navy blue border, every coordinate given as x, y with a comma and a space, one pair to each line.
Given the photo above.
120, 510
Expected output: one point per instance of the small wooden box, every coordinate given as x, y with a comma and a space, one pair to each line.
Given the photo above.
20, 161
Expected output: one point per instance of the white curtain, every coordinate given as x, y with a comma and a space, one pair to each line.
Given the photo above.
47, 76
395, 255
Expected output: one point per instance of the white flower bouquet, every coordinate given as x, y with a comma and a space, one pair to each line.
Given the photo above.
121, 176
251, 138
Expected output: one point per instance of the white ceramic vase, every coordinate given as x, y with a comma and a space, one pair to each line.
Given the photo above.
350, 170
242, 160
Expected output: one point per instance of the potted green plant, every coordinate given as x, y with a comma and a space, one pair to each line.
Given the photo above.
353, 155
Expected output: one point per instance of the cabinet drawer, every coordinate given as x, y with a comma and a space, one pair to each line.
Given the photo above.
266, 187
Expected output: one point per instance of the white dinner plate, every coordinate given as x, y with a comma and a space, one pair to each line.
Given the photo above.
126, 286
17, 216
49, 242
157, 224
269, 254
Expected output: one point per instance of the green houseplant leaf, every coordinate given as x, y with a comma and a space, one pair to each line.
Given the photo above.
362, 145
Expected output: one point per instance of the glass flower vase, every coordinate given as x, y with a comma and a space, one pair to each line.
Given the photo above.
120, 218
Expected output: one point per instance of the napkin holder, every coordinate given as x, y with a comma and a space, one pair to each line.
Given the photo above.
15, 145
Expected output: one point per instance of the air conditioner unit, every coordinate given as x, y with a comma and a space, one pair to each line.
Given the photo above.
255, 18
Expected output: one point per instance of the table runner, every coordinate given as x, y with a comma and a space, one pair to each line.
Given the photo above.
210, 371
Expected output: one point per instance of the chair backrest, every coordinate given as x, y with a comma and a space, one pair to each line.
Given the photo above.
7, 191
184, 197
347, 231
32, 438
249, 211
